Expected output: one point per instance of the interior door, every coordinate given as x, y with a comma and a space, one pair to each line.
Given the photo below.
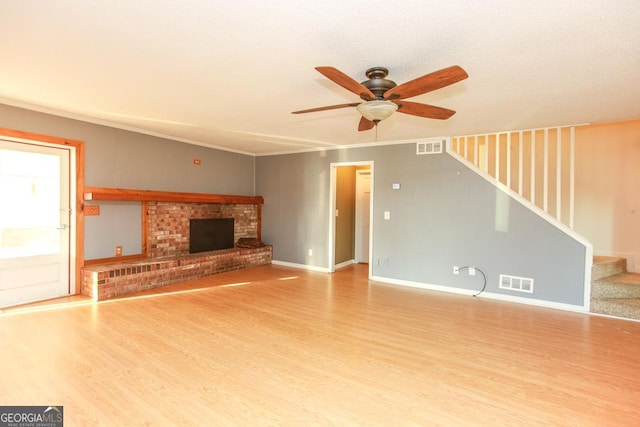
34, 222
363, 214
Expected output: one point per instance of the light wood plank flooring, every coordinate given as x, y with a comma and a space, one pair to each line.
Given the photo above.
279, 346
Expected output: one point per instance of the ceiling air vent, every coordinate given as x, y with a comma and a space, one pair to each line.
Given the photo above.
429, 147
514, 283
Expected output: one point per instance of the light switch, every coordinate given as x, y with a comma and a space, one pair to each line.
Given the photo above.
387, 215
395, 186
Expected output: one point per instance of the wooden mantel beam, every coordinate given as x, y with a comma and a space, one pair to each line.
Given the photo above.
102, 193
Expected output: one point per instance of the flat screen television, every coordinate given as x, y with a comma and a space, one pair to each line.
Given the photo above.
210, 234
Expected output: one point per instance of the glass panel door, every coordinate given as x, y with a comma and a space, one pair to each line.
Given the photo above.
34, 222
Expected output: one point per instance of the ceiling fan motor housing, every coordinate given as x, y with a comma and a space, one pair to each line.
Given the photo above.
377, 82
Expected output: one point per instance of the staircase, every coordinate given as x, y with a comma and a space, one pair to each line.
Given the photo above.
614, 291
538, 167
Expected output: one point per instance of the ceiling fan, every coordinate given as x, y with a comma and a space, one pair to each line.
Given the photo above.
382, 97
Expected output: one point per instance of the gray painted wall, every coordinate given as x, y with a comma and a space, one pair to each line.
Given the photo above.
443, 215
123, 159
119, 224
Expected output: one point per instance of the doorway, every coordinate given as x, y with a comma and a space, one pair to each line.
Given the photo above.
35, 222
351, 209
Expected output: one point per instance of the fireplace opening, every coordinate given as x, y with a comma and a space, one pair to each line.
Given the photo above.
210, 234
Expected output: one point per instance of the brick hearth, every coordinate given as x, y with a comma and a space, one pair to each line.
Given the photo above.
106, 281
169, 261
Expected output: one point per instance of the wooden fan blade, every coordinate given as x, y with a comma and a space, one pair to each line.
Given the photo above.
365, 124
330, 107
427, 83
424, 110
346, 82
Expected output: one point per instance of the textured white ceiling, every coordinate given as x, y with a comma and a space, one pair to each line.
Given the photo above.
229, 73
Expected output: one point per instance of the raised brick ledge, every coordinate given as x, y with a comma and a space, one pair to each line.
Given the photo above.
106, 281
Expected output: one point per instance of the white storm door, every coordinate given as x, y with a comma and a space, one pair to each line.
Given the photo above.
363, 215
34, 222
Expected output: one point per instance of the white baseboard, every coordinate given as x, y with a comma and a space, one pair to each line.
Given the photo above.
345, 264
615, 317
488, 295
536, 302
301, 266
420, 285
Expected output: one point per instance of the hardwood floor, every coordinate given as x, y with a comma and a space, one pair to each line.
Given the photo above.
279, 346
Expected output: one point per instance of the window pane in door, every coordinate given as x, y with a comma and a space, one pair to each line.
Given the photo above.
30, 215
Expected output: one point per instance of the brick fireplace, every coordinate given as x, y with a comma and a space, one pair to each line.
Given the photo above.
168, 233
166, 244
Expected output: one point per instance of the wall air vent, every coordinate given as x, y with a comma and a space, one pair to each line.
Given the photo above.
429, 147
514, 283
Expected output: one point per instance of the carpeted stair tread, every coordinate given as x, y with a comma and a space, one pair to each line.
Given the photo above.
623, 279
604, 266
620, 307
614, 291
600, 259
624, 285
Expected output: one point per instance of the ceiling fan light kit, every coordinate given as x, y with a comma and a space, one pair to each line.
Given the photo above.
377, 111
382, 96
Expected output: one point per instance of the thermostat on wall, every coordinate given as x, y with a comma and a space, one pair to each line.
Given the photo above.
395, 186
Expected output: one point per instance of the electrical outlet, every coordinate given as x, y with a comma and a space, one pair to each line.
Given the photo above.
118, 250
456, 269
472, 271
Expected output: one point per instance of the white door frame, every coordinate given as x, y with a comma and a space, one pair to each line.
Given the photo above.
332, 211
75, 150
